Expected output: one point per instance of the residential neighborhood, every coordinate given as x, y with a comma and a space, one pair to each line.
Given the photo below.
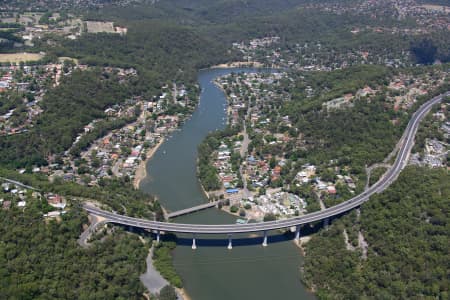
274, 52
256, 170
435, 150
14, 195
37, 25
22, 89
142, 125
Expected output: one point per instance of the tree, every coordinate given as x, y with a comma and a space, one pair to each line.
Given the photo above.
424, 51
167, 293
269, 217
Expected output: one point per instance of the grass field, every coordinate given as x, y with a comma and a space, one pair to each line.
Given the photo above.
63, 58
437, 7
96, 27
18, 57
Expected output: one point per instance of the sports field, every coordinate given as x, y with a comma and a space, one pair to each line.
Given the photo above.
18, 57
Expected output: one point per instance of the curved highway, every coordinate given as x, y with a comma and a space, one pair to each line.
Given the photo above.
407, 142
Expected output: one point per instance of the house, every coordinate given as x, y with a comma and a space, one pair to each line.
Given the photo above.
331, 189
6, 186
6, 205
52, 214
110, 112
55, 200
88, 128
232, 191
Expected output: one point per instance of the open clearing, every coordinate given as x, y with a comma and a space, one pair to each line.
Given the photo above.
437, 7
18, 57
96, 27
63, 58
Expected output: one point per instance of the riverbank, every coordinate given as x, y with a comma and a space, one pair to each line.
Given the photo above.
203, 271
152, 279
154, 282
141, 171
182, 295
301, 244
239, 64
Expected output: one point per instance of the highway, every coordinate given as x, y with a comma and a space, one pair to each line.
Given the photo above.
407, 142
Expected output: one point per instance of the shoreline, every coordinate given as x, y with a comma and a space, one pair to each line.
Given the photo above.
204, 190
182, 292
238, 64
141, 171
152, 275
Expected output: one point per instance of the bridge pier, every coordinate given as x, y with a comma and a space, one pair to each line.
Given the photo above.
297, 234
265, 239
326, 223
194, 246
157, 236
230, 242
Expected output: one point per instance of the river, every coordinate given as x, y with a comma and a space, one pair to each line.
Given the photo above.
248, 271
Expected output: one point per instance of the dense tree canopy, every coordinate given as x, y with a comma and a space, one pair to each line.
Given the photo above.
406, 228
42, 260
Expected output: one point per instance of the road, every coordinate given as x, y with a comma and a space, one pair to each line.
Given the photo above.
15, 182
390, 176
95, 222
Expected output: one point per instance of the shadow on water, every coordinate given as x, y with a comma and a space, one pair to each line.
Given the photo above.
238, 239
275, 236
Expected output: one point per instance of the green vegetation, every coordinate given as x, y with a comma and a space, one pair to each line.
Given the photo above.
359, 135
406, 229
162, 257
429, 128
167, 293
334, 84
40, 260
101, 129
424, 51
159, 50
234, 209
376, 174
80, 99
206, 172
269, 217
117, 194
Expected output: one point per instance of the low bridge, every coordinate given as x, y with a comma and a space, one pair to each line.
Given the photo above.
192, 209
406, 144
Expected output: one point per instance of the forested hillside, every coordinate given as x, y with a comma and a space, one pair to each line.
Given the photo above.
41, 260
406, 228
160, 49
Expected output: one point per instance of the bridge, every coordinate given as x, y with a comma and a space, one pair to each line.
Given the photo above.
192, 209
406, 143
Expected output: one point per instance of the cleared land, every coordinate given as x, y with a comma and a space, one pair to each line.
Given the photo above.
437, 7
63, 58
95, 27
18, 57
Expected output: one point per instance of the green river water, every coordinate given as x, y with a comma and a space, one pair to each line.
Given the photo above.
212, 272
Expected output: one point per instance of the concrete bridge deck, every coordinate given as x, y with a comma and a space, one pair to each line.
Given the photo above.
192, 209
